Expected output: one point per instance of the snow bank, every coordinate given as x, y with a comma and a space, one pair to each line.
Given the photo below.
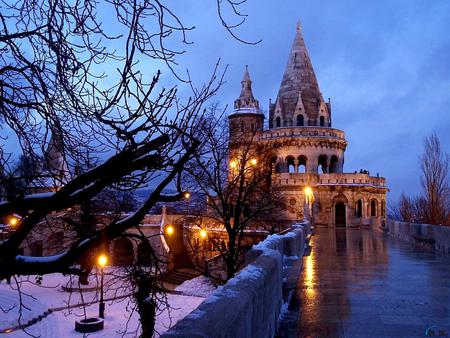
200, 286
249, 304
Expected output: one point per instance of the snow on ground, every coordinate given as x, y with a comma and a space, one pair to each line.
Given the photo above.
61, 323
200, 286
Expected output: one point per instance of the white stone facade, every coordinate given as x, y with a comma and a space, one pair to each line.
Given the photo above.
302, 149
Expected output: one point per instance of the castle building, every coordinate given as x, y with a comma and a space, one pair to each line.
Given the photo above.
304, 152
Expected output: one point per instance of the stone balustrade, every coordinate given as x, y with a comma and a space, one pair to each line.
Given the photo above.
307, 131
436, 237
248, 305
290, 179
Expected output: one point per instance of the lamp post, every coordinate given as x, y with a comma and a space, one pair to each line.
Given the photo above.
187, 195
102, 260
14, 220
170, 230
309, 199
203, 234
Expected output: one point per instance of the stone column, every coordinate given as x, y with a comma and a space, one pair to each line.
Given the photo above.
296, 165
311, 165
326, 169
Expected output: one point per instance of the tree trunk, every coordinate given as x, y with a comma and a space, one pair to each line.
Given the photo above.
147, 311
146, 306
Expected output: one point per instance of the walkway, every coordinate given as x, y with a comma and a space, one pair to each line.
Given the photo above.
359, 283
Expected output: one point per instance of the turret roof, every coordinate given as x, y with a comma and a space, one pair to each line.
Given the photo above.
299, 79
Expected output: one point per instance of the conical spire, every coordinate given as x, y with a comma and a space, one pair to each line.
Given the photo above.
246, 101
55, 161
299, 83
246, 75
246, 90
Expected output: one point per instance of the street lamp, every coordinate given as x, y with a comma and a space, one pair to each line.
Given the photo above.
309, 199
186, 197
233, 164
203, 234
170, 230
102, 261
253, 161
13, 220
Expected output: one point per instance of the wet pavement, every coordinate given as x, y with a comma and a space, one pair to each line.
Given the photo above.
361, 283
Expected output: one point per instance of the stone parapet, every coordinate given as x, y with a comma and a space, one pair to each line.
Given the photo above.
342, 179
436, 237
248, 305
299, 132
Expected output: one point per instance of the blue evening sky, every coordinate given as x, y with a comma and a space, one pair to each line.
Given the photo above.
385, 64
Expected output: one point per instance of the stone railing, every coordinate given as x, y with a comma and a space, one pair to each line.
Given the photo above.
436, 237
328, 179
303, 132
249, 304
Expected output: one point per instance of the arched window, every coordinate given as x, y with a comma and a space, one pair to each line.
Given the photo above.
302, 164
359, 209
373, 208
300, 120
322, 121
278, 122
322, 164
290, 164
333, 164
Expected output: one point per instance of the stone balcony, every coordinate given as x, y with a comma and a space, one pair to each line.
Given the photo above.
293, 132
346, 179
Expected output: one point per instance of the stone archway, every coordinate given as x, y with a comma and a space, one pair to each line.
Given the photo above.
339, 214
123, 252
144, 254
340, 204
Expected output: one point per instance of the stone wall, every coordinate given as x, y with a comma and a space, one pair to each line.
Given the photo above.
436, 237
249, 304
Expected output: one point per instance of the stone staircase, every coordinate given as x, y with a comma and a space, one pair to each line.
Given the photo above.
181, 275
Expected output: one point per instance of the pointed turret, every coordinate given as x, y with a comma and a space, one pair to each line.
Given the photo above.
247, 118
246, 103
299, 92
55, 161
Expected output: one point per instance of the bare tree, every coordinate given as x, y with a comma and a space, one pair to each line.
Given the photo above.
432, 206
434, 165
236, 182
69, 80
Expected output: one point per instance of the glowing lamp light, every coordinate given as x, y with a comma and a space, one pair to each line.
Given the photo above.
102, 260
13, 220
203, 233
308, 191
170, 230
253, 161
233, 164
187, 195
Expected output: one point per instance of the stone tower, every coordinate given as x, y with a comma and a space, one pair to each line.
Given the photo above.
302, 150
247, 118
